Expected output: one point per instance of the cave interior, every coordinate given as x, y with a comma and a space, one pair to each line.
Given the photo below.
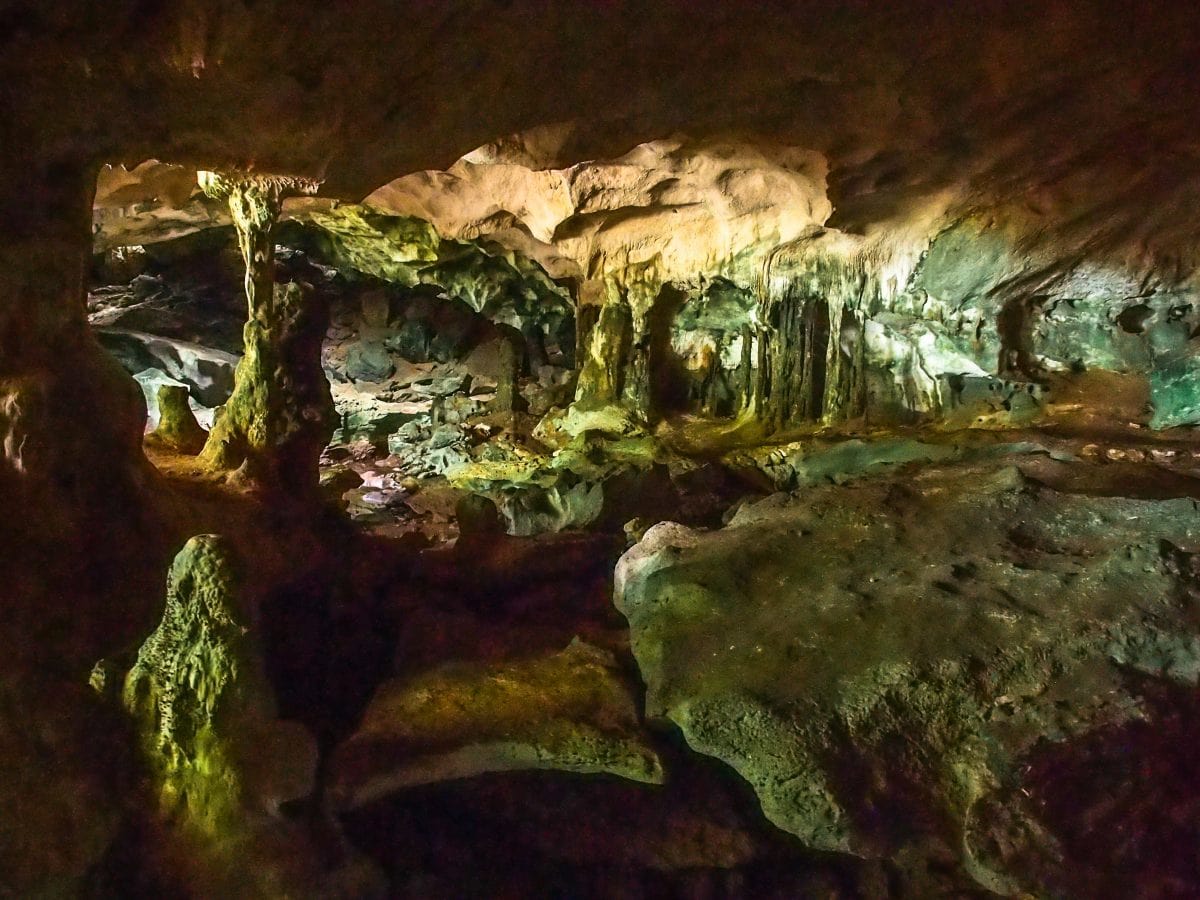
560, 449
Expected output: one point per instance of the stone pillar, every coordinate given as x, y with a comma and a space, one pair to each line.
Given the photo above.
71, 423
507, 398
177, 428
280, 414
602, 375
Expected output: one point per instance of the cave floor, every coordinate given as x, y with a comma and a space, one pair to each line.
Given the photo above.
419, 598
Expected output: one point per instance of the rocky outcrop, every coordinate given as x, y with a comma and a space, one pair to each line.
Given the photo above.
568, 711
222, 761
877, 660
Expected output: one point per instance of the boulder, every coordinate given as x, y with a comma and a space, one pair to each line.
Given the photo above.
569, 711
876, 660
208, 373
368, 362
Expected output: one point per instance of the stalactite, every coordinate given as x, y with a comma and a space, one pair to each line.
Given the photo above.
744, 388
810, 355
602, 375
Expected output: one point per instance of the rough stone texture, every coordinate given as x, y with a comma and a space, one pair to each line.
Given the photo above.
177, 428
894, 129
280, 414
568, 711
688, 208
200, 694
877, 659
222, 761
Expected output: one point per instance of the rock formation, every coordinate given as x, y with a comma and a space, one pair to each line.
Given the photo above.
279, 415
177, 428
222, 761
567, 712
872, 327
876, 672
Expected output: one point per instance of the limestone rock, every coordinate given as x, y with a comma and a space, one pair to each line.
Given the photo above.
206, 710
692, 206
177, 427
568, 711
222, 761
280, 414
208, 373
876, 659
368, 362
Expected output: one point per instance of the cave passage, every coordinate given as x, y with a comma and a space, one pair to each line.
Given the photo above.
766, 466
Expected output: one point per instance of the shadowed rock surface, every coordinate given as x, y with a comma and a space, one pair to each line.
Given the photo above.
877, 659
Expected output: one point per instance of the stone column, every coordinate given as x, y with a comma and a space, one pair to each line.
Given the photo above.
280, 414
602, 373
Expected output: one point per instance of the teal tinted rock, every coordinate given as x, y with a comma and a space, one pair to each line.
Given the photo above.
1175, 392
405, 251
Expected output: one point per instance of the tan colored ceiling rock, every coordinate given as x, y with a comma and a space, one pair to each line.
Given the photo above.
688, 208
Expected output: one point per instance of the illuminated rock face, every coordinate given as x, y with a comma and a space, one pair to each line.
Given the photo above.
177, 426
221, 760
567, 711
940, 313
200, 694
280, 413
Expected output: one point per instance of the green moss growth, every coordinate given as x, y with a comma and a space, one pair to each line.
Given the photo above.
177, 427
221, 761
501, 284
196, 679
280, 414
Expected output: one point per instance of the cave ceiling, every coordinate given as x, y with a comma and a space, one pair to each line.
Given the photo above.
1075, 121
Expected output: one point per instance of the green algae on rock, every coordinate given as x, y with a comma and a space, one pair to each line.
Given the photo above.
222, 762
569, 711
200, 693
177, 426
280, 413
875, 659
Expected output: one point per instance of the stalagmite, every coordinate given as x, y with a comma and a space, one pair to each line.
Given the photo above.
507, 398
280, 414
177, 426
